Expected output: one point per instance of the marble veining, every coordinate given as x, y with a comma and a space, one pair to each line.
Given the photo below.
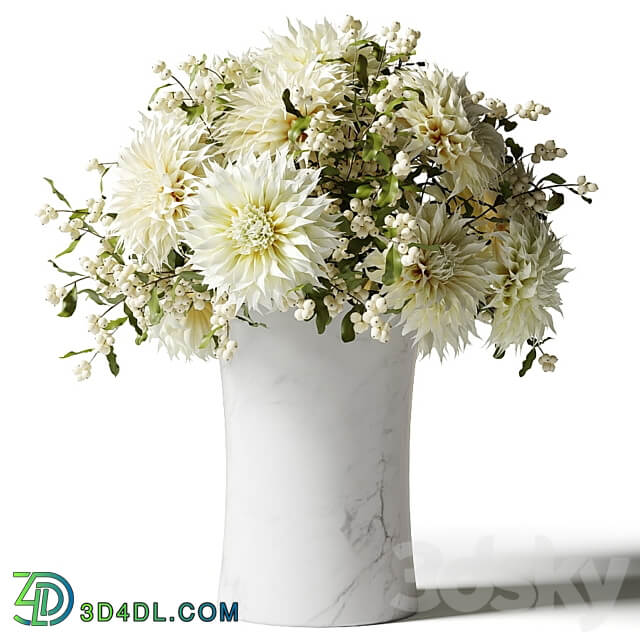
317, 499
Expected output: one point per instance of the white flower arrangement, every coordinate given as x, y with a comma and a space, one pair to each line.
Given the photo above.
327, 174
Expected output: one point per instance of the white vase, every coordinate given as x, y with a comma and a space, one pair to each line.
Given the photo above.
317, 528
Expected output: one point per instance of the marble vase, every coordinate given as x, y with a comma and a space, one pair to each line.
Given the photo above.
317, 529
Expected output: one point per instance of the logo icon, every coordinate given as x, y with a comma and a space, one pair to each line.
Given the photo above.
49, 595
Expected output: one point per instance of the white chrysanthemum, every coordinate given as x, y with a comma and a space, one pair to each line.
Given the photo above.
440, 293
258, 120
529, 258
303, 46
158, 176
257, 232
181, 335
445, 121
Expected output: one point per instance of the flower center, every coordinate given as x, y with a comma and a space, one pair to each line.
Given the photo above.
169, 191
252, 229
439, 265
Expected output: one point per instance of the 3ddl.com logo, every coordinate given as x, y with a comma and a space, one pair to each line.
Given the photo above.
49, 595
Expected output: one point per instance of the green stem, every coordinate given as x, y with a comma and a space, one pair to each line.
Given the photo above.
193, 100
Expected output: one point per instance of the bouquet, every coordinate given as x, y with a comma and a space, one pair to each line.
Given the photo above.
329, 175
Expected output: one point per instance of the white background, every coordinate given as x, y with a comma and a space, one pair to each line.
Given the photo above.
117, 484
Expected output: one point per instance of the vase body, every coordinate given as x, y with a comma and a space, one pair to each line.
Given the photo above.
317, 495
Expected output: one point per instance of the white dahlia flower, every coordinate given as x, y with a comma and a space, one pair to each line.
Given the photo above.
158, 176
444, 121
257, 232
441, 291
529, 259
303, 46
258, 120
181, 335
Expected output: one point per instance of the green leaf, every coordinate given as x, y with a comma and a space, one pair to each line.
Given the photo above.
364, 191
380, 243
69, 303
394, 105
288, 105
555, 178
527, 362
208, 338
193, 111
347, 331
70, 248
114, 367
372, 145
141, 338
113, 241
395, 58
61, 270
419, 93
155, 312
190, 275
498, 354
322, 315
369, 107
361, 71
378, 85
297, 288
378, 51
388, 192
393, 266
57, 193
425, 247
509, 125
175, 260
330, 171
69, 354
383, 160
93, 295
298, 126
352, 279
555, 201
515, 148
114, 324
88, 227
132, 319
155, 93
506, 189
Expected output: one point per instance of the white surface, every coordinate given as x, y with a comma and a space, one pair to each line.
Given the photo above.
118, 485
317, 527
